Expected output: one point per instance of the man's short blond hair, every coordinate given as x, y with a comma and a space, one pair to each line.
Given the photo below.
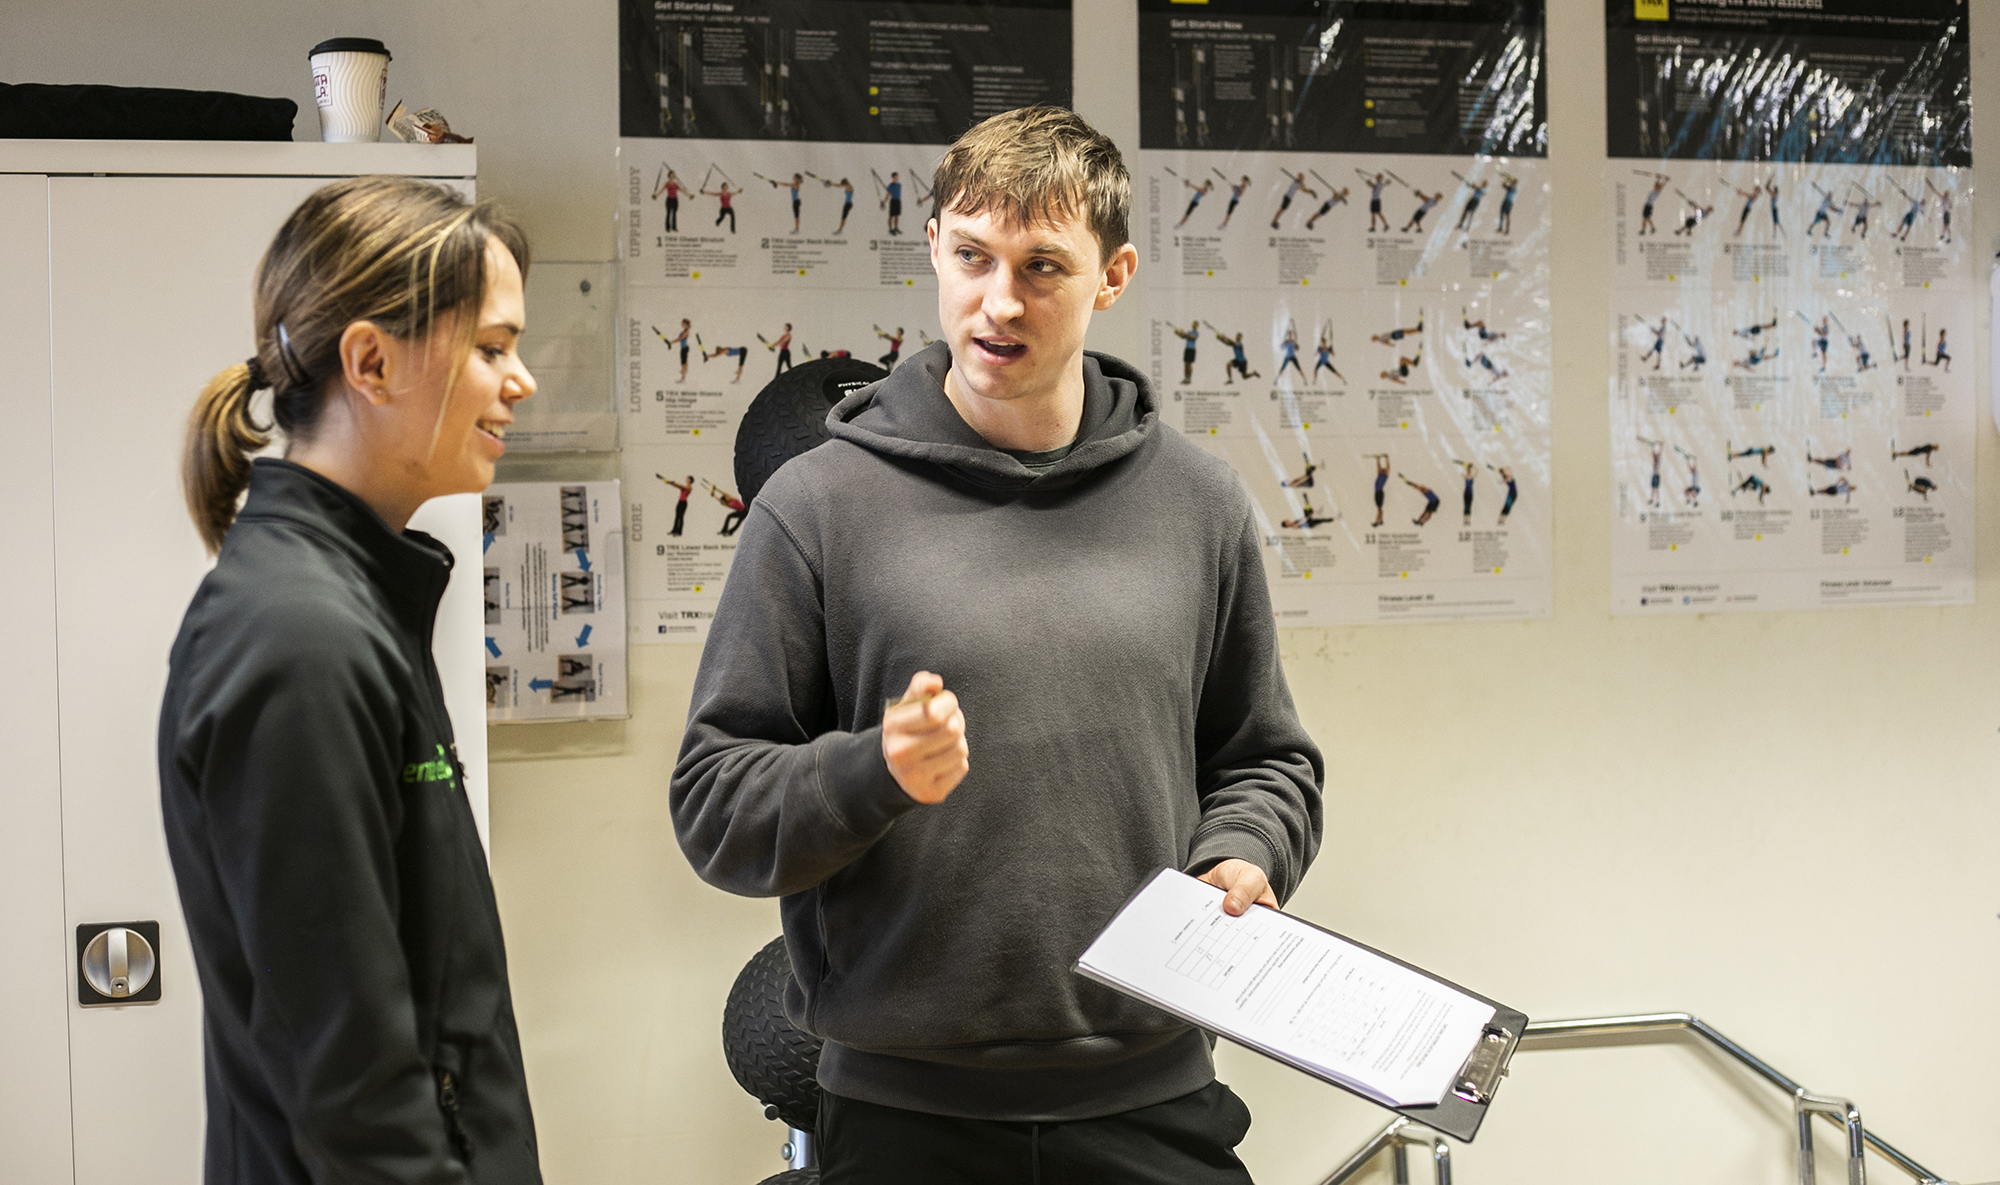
1033, 165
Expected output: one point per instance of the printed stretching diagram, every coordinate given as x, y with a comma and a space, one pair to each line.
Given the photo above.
1346, 278
555, 600
1789, 282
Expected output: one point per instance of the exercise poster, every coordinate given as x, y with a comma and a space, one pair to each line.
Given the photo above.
1344, 214
555, 601
776, 159
1792, 420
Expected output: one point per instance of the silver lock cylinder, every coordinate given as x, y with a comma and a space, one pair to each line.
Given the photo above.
118, 963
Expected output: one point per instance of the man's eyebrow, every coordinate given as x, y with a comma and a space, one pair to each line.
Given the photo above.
1053, 249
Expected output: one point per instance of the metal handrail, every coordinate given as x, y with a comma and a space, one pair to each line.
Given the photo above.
1598, 1030
1397, 1136
1592, 1030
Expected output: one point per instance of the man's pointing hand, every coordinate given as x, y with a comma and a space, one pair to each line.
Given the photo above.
923, 740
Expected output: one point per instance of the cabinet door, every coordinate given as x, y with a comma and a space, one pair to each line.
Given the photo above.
151, 284
34, 1008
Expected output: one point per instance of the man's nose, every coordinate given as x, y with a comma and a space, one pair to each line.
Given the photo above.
1002, 300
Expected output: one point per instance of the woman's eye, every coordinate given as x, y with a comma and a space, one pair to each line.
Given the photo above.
493, 353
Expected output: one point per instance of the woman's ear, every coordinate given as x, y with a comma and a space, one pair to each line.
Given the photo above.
365, 362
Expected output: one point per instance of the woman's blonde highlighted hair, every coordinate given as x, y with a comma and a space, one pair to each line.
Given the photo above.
1033, 165
399, 252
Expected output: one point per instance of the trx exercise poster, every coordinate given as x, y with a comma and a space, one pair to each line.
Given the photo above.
776, 159
1343, 211
555, 601
1788, 191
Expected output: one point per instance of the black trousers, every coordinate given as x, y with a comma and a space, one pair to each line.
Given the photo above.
1190, 1140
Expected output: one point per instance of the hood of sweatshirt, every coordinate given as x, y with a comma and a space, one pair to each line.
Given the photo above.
907, 415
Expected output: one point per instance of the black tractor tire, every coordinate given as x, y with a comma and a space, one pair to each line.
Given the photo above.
793, 1177
773, 1060
788, 416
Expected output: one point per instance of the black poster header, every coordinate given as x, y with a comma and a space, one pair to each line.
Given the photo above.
1882, 82
1449, 77
849, 70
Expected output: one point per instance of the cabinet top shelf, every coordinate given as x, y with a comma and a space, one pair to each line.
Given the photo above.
236, 158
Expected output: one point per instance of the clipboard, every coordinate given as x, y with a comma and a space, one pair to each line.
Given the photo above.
1464, 1105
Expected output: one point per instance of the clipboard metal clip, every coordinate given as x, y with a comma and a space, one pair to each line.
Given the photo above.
1480, 1077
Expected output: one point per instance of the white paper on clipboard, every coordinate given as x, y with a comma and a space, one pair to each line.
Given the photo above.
1290, 990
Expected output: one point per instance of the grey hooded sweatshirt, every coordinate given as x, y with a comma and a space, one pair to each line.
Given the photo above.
1107, 629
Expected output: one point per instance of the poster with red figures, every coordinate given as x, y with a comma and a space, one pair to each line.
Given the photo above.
775, 164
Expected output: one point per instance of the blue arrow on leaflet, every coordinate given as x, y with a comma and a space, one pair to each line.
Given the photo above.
540, 684
493, 647
583, 639
583, 560
488, 545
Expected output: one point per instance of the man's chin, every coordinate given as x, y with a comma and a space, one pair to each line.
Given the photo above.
996, 382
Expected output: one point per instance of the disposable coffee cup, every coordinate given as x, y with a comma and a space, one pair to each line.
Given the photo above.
350, 83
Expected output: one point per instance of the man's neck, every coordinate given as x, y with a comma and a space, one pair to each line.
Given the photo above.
1028, 424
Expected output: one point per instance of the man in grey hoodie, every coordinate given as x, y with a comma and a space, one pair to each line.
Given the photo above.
1062, 604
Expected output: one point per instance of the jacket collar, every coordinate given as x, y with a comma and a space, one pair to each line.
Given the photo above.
411, 569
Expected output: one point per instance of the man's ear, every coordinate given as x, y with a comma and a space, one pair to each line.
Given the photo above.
364, 361
1117, 276
931, 232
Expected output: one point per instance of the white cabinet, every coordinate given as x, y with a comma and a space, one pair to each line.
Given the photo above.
34, 1018
125, 280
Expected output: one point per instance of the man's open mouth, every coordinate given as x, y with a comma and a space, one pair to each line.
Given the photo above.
1000, 349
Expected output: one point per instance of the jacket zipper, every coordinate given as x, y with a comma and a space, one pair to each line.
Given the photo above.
448, 1103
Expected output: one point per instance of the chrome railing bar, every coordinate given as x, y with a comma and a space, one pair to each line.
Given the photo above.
1396, 1135
1362, 1155
1441, 1160
1543, 1031
1842, 1111
1546, 1032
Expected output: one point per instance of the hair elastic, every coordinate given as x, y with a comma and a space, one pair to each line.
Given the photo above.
258, 379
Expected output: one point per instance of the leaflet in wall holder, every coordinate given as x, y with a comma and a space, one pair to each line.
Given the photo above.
1342, 1012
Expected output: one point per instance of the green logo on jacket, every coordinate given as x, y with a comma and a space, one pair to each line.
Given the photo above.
435, 770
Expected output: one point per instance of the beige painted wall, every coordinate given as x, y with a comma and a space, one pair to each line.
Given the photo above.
1786, 823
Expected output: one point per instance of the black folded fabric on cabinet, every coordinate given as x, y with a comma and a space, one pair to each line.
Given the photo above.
38, 111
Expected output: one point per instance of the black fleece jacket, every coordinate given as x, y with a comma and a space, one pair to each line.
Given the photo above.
357, 1021
1108, 631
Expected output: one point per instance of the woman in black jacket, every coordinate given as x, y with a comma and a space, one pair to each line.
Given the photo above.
357, 1019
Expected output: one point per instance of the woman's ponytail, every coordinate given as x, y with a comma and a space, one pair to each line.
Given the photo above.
221, 436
